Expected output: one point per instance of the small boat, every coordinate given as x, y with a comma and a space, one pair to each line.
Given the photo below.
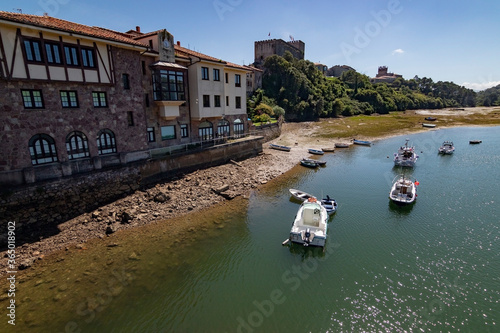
309, 160
300, 195
328, 149
428, 125
430, 118
403, 190
309, 163
279, 147
447, 148
475, 142
329, 204
310, 224
361, 142
316, 151
341, 145
406, 156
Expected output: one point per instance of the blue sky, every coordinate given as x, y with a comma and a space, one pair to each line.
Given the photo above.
446, 40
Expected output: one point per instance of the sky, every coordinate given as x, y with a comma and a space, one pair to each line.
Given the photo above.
446, 40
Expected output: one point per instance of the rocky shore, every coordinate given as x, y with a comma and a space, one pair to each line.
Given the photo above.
191, 192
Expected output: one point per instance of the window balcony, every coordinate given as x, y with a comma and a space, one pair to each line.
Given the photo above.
169, 109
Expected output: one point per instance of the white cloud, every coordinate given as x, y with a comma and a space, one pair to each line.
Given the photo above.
480, 86
398, 51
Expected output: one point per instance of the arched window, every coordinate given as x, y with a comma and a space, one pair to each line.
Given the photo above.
238, 128
42, 149
223, 128
206, 131
77, 145
106, 143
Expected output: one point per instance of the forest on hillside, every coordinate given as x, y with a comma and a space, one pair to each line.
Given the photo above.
298, 90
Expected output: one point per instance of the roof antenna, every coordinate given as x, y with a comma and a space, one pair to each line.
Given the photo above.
19, 10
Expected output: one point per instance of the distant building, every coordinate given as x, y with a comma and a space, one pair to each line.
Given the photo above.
337, 70
254, 79
267, 48
322, 68
384, 76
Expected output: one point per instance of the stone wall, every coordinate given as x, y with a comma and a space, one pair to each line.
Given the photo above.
39, 208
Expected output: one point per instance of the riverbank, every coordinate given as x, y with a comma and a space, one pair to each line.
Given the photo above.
204, 188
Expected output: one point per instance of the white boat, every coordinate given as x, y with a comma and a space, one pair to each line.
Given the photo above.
329, 204
341, 145
310, 224
361, 142
300, 195
316, 151
279, 147
406, 156
447, 148
403, 190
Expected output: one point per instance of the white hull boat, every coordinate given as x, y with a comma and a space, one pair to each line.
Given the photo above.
310, 224
406, 156
447, 148
300, 195
403, 190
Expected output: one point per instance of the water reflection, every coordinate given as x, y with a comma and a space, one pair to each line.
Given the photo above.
400, 209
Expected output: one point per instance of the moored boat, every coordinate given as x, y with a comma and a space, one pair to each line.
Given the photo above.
318, 162
430, 118
447, 148
361, 142
316, 151
310, 224
475, 142
328, 149
341, 145
406, 156
309, 163
329, 204
403, 190
428, 125
279, 147
300, 195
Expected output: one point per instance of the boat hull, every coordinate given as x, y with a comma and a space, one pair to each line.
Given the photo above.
296, 237
309, 227
278, 147
362, 143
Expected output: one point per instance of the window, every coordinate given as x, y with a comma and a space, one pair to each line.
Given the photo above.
184, 131
217, 101
206, 101
77, 145
168, 132
147, 100
99, 99
204, 73
33, 50
69, 99
223, 128
205, 131
238, 102
227, 78
237, 80
238, 128
53, 53
88, 57
32, 99
42, 149
227, 100
106, 143
130, 118
168, 85
125, 81
216, 74
151, 134
71, 55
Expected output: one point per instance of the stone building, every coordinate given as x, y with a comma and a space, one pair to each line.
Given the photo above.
76, 98
337, 70
266, 48
383, 75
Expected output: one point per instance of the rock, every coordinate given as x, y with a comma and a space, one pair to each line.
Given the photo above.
110, 229
161, 197
25, 264
221, 189
126, 217
95, 214
133, 256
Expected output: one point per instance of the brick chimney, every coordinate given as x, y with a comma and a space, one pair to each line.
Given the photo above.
178, 43
137, 28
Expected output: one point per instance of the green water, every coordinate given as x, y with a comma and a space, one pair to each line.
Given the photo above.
433, 266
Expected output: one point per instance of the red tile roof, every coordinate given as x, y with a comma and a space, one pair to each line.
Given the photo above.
62, 25
182, 51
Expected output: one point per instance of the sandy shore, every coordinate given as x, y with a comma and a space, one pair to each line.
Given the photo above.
189, 193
